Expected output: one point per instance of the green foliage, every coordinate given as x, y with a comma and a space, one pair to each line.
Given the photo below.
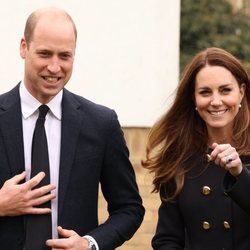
206, 23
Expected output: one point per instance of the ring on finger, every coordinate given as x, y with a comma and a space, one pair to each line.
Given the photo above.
229, 159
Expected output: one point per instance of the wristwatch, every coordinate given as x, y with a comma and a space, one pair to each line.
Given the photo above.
91, 245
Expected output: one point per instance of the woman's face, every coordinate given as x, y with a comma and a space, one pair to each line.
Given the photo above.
217, 97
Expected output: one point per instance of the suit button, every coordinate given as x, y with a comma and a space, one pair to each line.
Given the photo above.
226, 225
206, 225
206, 190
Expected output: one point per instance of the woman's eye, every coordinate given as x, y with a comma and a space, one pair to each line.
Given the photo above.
226, 90
204, 92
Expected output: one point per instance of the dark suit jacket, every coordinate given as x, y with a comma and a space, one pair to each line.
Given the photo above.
209, 214
93, 150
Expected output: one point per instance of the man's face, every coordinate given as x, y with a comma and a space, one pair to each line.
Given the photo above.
48, 58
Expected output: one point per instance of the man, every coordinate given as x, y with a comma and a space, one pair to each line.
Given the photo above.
85, 147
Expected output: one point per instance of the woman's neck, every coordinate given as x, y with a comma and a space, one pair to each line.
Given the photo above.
220, 136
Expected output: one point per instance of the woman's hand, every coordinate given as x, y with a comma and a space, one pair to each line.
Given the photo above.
227, 157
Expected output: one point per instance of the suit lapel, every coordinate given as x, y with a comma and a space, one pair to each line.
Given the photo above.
71, 123
11, 130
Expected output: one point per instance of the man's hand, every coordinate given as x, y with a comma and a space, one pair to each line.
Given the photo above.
71, 241
18, 199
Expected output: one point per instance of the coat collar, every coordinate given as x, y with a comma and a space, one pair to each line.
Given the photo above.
71, 123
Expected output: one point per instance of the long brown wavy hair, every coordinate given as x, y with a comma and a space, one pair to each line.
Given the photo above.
181, 133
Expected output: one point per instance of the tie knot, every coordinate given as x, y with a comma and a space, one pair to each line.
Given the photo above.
43, 110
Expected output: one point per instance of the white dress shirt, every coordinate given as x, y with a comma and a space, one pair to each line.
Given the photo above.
29, 106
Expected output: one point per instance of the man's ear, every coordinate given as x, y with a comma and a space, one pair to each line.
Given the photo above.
23, 48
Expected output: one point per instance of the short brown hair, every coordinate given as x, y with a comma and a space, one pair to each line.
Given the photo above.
35, 16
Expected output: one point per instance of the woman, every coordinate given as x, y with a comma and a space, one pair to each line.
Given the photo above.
199, 152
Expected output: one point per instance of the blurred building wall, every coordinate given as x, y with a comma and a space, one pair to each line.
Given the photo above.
127, 54
136, 139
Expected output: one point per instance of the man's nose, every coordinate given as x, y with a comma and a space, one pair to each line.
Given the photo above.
54, 65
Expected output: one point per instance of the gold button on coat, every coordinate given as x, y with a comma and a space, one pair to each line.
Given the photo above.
226, 225
206, 225
206, 190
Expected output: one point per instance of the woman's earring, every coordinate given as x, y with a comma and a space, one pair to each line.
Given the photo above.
196, 108
240, 105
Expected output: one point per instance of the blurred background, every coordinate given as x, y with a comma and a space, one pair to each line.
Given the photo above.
130, 55
219, 23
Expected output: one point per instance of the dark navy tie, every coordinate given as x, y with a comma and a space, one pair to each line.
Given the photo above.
38, 227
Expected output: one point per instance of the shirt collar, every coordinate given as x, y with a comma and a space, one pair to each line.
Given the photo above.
30, 104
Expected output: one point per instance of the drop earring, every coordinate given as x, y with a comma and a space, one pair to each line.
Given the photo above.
240, 105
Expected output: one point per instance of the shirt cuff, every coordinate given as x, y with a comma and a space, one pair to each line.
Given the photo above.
92, 239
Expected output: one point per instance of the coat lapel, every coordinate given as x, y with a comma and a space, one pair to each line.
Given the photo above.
71, 123
11, 130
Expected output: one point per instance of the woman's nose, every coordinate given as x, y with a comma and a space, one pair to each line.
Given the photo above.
216, 100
